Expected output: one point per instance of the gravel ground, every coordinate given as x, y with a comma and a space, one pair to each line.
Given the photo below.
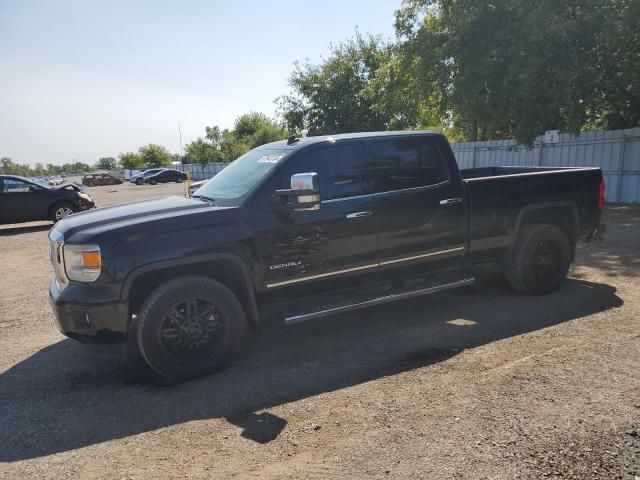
474, 383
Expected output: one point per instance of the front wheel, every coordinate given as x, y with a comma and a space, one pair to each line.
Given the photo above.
61, 210
190, 326
540, 259
138, 181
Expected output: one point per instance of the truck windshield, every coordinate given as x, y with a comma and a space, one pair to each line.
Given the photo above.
229, 186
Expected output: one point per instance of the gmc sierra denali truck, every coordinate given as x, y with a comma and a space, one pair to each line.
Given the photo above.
304, 228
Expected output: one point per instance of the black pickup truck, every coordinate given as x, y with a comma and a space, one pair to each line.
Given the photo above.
303, 228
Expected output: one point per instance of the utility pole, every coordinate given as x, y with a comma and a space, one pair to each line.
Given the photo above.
180, 134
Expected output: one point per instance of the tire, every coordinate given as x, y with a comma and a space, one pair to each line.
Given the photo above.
179, 180
91, 184
60, 210
153, 182
138, 181
174, 338
540, 259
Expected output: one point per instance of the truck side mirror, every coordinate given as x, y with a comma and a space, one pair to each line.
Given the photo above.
304, 193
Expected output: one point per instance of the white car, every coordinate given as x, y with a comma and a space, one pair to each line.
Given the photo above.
196, 185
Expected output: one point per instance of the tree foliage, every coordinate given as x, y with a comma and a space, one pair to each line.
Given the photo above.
9, 167
339, 94
130, 160
250, 130
480, 69
106, 163
202, 152
154, 156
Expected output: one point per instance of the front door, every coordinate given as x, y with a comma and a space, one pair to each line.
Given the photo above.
337, 240
420, 207
21, 201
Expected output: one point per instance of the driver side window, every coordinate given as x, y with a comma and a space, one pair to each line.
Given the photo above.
339, 167
15, 186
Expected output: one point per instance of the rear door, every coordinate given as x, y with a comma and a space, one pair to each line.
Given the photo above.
333, 242
420, 206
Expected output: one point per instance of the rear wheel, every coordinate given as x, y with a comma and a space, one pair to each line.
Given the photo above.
540, 259
61, 210
189, 326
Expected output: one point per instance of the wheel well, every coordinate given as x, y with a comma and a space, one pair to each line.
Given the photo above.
224, 271
561, 217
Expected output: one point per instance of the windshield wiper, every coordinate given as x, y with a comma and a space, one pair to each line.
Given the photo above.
204, 197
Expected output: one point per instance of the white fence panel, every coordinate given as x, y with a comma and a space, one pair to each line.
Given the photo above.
200, 172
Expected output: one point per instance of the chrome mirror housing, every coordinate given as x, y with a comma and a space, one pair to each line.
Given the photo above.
304, 192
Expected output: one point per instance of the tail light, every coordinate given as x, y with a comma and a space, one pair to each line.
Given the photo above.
601, 195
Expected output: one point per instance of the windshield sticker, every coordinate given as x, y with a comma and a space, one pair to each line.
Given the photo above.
270, 158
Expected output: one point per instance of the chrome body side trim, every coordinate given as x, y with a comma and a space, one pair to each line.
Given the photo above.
387, 192
424, 255
377, 301
363, 267
321, 275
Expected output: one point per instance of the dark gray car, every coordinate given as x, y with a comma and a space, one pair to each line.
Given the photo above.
22, 200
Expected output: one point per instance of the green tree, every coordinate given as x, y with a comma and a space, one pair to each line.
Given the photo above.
106, 163
496, 69
130, 160
202, 152
617, 100
154, 156
7, 166
255, 129
250, 130
337, 95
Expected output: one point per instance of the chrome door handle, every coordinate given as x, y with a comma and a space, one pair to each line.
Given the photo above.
359, 214
450, 201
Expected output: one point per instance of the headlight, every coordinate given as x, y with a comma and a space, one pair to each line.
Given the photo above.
82, 262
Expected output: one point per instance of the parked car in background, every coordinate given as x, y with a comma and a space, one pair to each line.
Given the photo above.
129, 173
165, 176
139, 179
23, 200
53, 181
100, 178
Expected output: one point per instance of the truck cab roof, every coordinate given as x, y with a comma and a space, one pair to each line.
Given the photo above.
306, 141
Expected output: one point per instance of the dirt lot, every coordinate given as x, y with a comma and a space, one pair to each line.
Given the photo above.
475, 383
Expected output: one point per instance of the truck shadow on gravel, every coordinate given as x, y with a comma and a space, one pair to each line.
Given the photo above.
60, 398
28, 228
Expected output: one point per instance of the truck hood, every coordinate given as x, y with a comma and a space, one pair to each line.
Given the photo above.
117, 216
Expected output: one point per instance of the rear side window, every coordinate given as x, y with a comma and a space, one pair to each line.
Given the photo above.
405, 162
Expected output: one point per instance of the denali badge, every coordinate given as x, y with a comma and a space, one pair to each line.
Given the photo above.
285, 265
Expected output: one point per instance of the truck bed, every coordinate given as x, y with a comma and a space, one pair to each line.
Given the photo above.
499, 196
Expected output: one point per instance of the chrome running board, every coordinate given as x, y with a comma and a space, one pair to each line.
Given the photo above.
375, 301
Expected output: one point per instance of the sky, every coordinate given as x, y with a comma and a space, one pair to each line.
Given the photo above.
80, 80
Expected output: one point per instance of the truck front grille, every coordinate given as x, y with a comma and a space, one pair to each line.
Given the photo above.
56, 257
